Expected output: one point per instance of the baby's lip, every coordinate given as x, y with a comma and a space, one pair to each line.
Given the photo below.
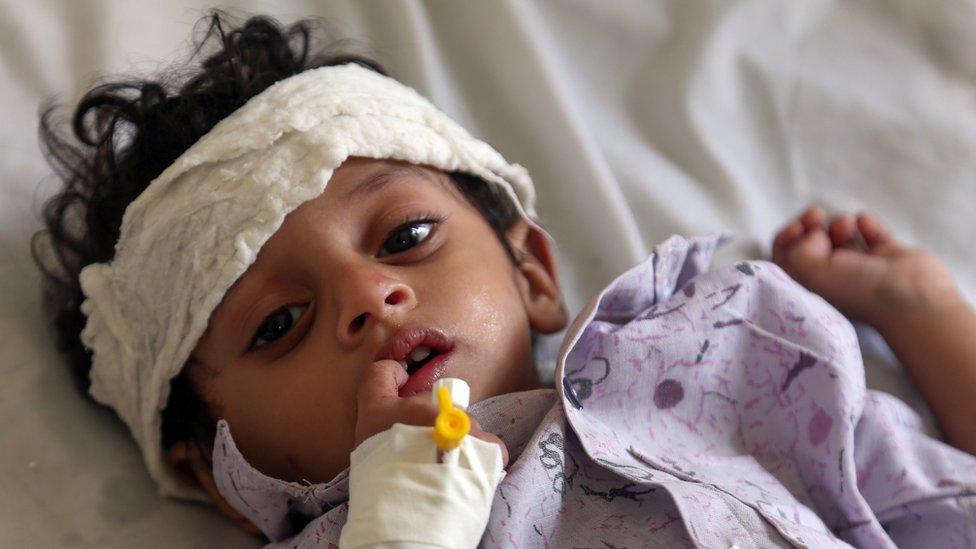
406, 340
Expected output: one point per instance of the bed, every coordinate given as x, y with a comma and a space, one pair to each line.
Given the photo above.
636, 119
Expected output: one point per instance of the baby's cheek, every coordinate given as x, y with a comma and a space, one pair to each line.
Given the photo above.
315, 449
304, 426
328, 456
330, 437
488, 316
496, 324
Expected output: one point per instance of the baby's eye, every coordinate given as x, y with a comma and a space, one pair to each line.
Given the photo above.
406, 236
277, 324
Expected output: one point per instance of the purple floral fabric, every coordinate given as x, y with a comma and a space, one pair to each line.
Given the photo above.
692, 408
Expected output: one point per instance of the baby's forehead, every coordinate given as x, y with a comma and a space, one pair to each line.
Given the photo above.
362, 176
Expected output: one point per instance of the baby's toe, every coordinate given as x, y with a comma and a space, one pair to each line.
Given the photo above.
842, 230
813, 218
874, 231
806, 257
788, 235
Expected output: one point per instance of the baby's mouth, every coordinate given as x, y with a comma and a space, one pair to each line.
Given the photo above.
415, 347
417, 358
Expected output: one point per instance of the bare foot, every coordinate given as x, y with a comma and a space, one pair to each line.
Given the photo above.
859, 267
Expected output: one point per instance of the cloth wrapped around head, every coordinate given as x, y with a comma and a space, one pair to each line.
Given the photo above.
199, 225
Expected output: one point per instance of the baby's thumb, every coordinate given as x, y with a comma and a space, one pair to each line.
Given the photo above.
381, 379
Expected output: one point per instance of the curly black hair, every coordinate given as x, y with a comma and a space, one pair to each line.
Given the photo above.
129, 131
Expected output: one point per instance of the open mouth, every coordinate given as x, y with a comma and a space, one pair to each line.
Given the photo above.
416, 347
417, 358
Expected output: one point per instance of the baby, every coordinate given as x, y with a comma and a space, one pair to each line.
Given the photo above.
329, 310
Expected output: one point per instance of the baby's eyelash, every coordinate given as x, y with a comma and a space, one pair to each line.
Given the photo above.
429, 217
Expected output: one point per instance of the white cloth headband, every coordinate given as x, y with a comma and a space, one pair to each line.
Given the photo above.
200, 224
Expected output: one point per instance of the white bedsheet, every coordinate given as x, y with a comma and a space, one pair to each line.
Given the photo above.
636, 119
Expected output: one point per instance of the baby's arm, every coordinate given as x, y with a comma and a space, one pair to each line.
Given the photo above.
908, 295
399, 496
938, 349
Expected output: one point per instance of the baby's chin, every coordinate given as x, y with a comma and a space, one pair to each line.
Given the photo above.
501, 380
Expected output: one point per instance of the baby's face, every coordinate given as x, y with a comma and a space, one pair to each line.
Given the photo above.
387, 248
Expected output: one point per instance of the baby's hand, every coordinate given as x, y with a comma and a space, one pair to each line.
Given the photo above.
860, 268
379, 406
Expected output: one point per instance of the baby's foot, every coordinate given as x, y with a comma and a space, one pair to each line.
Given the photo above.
860, 268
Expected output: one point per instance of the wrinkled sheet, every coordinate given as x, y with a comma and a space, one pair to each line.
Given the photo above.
716, 409
636, 119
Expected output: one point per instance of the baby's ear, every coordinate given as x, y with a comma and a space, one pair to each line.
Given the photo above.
187, 460
538, 281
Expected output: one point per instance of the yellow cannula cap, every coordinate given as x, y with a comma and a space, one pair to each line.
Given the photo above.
452, 423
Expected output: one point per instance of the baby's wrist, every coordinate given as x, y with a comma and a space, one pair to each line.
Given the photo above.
398, 493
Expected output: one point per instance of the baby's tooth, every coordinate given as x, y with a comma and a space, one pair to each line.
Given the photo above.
419, 354
403, 364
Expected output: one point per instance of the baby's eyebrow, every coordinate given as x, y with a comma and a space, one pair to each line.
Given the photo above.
378, 180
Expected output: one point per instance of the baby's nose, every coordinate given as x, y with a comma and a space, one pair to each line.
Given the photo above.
375, 300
